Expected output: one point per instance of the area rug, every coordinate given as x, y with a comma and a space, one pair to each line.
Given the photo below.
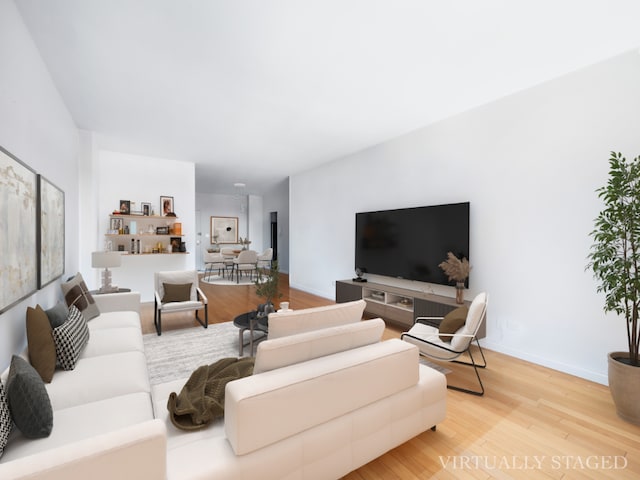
219, 280
177, 353
435, 366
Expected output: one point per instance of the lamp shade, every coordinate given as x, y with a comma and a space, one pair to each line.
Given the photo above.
106, 259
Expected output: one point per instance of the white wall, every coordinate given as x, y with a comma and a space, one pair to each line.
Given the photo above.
529, 164
123, 176
36, 127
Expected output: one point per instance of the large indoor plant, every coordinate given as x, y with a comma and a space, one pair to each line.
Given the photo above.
615, 261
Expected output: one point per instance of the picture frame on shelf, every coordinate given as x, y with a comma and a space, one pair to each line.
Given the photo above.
166, 206
224, 230
125, 207
116, 225
146, 209
175, 243
51, 232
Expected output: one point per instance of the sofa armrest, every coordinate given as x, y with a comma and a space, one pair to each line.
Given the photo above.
118, 302
138, 451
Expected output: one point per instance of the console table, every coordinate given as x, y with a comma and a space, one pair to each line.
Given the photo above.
397, 305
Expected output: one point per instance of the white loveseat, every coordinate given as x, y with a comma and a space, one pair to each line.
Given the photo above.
320, 404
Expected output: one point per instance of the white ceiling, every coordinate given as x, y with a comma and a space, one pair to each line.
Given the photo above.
256, 90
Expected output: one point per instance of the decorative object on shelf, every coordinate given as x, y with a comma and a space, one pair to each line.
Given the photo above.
106, 260
359, 276
457, 270
51, 231
175, 243
125, 207
162, 230
166, 206
177, 228
615, 260
146, 208
224, 229
19, 259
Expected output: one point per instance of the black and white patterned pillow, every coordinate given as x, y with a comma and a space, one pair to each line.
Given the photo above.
6, 424
70, 338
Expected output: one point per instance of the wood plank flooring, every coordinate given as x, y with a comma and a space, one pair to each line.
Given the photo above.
532, 422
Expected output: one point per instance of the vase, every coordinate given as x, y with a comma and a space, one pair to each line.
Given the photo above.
460, 293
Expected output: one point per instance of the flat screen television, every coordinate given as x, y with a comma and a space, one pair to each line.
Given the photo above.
410, 243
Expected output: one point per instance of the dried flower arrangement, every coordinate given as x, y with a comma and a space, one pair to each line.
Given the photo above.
455, 268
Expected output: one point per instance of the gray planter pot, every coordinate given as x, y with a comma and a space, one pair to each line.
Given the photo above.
624, 384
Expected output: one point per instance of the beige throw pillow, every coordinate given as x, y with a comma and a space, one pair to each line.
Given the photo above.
176, 292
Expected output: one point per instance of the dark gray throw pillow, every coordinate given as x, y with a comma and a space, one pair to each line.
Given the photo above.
28, 400
57, 315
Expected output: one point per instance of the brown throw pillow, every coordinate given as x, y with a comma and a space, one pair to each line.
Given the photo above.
42, 348
452, 322
176, 292
76, 293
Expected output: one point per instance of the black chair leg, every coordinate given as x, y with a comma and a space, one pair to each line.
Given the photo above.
475, 366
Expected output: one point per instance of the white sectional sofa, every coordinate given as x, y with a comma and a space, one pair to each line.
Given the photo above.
103, 422
321, 403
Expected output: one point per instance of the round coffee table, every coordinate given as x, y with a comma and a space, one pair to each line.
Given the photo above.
250, 321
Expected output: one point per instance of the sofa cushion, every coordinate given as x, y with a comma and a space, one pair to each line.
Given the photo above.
42, 348
98, 378
84, 421
28, 400
176, 292
58, 314
283, 351
6, 423
70, 338
305, 320
107, 341
76, 293
115, 320
452, 322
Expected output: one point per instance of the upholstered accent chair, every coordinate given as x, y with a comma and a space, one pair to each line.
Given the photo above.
178, 291
246, 262
436, 344
214, 261
265, 258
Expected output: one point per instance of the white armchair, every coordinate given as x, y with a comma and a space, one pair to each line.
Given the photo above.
437, 344
178, 291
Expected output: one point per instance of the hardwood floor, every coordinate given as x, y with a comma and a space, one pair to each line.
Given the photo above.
532, 422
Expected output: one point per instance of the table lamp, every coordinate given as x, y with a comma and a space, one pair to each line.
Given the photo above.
106, 260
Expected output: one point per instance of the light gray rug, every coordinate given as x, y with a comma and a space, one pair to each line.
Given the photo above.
218, 280
435, 366
177, 353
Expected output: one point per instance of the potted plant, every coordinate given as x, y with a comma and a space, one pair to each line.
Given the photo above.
457, 270
267, 287
615, 261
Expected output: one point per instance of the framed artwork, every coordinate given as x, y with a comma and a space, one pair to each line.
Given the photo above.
166, 207
116, 225
224, 230
51, 232
146, 209
18, 230
125, 207
175, 243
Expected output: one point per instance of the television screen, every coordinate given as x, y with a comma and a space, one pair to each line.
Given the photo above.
410, 243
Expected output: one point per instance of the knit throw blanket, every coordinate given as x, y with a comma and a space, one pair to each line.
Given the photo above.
201, 400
